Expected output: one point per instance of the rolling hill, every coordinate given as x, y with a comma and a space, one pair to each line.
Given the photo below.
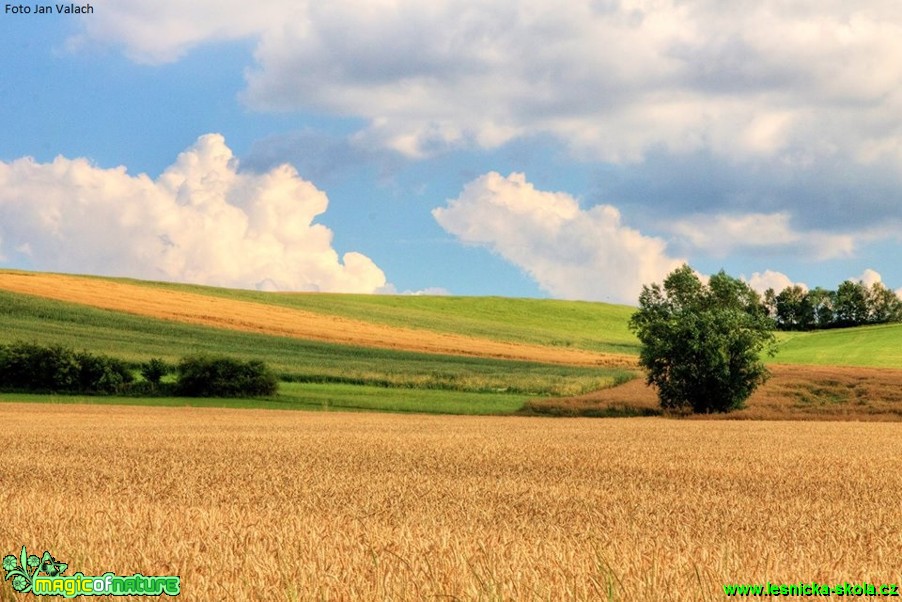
561, 351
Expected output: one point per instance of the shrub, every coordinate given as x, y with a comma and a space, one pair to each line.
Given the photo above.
209, 376
31, 367
102, 374
36, 368
154, 370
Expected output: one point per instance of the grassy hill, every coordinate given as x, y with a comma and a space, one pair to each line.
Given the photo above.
469, 375
333, 374
868, 346
548, 322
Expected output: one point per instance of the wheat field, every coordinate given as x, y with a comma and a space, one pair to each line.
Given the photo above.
248, 316
273, 505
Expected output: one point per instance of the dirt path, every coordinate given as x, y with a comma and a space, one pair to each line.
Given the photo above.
247, 316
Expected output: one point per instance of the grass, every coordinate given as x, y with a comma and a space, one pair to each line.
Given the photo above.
577, 324
872, 346
251, 505
403, 380
316, 396
551, 323
137, 339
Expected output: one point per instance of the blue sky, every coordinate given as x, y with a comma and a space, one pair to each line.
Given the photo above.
477, 148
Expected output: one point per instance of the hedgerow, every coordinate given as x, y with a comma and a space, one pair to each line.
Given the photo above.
29, 367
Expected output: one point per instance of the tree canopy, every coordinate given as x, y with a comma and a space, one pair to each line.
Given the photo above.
701, 343
851, 304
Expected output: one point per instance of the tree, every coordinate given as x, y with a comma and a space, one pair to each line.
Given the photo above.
701, 344
851, 304
883, 305
154, 370
822, 302
794, 309
214, 376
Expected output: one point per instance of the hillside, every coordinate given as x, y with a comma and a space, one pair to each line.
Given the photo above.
325, 361
531, 330
865, 346
394, 352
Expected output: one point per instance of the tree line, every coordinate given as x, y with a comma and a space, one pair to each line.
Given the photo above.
851, 304
33, 368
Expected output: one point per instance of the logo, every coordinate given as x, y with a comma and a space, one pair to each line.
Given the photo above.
43, 576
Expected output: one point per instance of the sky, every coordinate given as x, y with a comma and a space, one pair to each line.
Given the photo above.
527, 148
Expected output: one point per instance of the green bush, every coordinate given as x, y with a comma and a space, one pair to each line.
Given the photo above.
154, 370
58, 369
211, 376
102, 374
34, 367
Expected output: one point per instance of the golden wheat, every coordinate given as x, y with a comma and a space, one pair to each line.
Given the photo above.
269, 505
792, 393
248, 316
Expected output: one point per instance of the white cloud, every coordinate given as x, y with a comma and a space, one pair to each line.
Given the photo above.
761, 281
721, 235
432, 291
570, 252
869, 277
162, 31
614, 79
201, 221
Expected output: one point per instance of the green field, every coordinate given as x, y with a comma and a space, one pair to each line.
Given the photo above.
867, 346
323, 375
579, 324
318, 396
314, 374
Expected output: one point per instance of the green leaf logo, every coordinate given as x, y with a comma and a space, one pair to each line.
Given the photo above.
21, 571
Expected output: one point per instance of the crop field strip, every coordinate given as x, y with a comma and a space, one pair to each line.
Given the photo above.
221, 312
256, 505
137, 338
549, 322
792, 393
809, 381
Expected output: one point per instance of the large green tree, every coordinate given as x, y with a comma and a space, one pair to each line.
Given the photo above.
702, 343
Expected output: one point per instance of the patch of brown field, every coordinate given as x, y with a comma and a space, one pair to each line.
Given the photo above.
792, 393
248, 316
269, 505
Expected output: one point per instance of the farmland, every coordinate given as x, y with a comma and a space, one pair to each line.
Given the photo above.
183, 305
270, 505
248, 499
386, 367
409, 353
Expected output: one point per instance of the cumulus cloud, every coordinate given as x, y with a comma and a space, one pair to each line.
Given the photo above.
613, 78
201, 221
162, 31
761, 281
764, 233
869, 277
569, 251
802, 100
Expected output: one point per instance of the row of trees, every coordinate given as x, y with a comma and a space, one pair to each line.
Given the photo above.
59, 369
851, 304
28, 367
702, 342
